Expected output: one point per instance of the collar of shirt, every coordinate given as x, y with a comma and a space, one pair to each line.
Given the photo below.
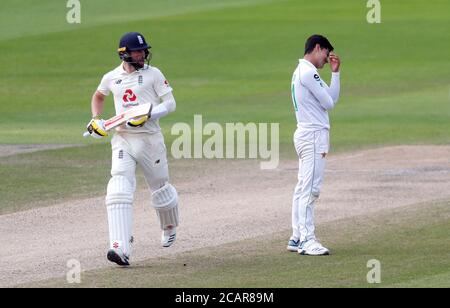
307, 63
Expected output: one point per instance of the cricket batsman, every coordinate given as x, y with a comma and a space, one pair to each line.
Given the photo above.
137, 142
312, 98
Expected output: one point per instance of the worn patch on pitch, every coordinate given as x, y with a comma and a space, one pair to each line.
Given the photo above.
14, 149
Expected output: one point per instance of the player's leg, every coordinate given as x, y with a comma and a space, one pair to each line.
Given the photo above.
305, 191
300, 137
294, 240
313, 168
119, 201
164, 195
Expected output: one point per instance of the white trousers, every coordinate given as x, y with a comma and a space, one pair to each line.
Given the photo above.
146, 150
311, 147
129, 150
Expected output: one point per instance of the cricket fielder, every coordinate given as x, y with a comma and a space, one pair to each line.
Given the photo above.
312, 98
138, 142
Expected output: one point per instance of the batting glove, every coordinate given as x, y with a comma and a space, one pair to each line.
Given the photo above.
137, 122
96, 128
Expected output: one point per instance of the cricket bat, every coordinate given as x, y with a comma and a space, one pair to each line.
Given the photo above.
121, 118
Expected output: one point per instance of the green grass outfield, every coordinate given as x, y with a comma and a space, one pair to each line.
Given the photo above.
408, 243
230, 61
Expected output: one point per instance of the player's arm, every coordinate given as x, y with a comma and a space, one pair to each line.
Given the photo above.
335, 85
96, 126
97, 103
334, 88
167, 106
164, 91
312, 81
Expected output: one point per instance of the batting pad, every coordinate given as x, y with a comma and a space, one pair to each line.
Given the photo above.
119, 190
165, 202
119, 200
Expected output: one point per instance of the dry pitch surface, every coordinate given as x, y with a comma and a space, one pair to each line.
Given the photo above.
221, 202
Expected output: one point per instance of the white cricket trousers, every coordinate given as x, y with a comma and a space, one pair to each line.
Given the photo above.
311, 147
146, 150
129, 150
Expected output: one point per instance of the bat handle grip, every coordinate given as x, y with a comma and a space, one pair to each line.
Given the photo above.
85, 134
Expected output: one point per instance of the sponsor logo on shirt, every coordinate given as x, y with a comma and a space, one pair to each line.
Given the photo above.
129, 98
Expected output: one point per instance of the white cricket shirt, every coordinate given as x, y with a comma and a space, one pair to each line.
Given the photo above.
146, 85
312, 97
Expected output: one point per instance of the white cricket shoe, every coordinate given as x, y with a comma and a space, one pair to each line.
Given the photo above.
312, 248
293, 244
168, 237
117, 256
